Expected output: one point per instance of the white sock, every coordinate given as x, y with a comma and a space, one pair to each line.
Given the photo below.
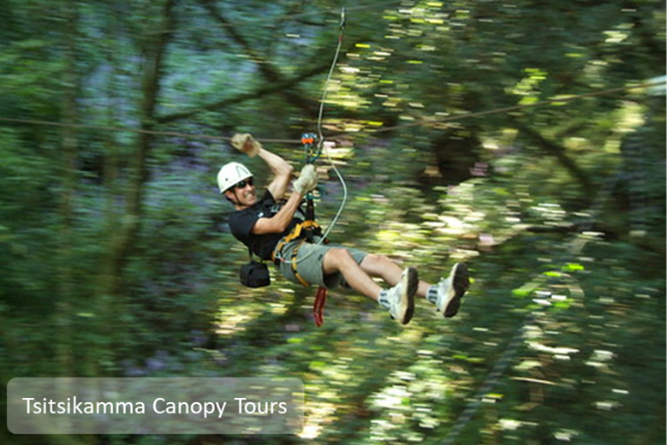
432, 294
383, 299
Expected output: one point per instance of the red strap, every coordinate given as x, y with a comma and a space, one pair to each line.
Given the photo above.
318, 308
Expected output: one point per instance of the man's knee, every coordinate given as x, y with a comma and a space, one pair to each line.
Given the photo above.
376, 259
337, 258
340, 255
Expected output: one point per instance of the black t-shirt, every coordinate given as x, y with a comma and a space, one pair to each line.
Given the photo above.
241, 223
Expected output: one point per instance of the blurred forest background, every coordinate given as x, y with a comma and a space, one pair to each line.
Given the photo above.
117, 259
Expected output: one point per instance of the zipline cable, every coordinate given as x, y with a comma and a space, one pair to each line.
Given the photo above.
135, 130
512, 108
430, 122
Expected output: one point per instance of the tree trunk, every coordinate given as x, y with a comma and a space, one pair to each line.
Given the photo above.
125, 225
69, 145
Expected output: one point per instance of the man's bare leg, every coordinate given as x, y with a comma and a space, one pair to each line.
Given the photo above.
382, 267
340, 260
399, 299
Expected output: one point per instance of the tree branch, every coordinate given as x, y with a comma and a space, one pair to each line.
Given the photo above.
277, 82
558, 152
261, 92
268, 70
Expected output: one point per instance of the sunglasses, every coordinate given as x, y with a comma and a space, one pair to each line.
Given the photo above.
243, 184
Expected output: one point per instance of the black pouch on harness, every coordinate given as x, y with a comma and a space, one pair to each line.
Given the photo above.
254, 274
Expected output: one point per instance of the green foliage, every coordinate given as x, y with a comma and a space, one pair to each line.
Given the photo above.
117, 260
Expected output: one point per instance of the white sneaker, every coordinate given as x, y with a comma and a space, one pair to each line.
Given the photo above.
451, 289
401, 298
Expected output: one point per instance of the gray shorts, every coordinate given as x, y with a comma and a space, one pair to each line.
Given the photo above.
310, 263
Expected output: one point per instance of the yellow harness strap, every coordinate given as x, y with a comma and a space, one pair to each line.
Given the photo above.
295, 234
294, 266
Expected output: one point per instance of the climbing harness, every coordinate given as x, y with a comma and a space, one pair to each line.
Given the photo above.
306, 231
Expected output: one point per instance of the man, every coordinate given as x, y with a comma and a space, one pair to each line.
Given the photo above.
268, 229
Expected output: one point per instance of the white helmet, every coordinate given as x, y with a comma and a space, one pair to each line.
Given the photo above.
230, 174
